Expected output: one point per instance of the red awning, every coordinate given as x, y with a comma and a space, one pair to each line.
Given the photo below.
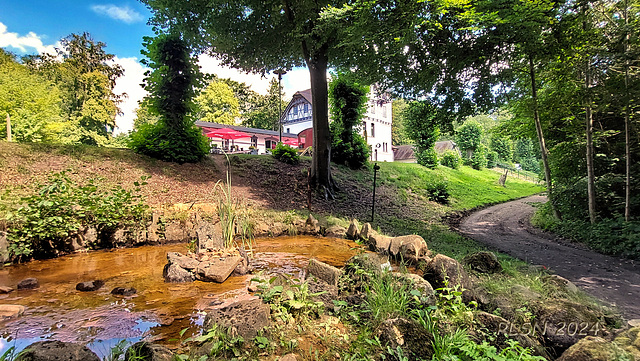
227, 133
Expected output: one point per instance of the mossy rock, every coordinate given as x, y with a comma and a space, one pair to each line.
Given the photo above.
593, 348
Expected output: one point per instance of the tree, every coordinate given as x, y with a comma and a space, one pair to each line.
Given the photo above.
262, 36
398, 129
218, 104
348, 100
171, 83
468, 137
421, 120
31, 101
503, 146
265, 112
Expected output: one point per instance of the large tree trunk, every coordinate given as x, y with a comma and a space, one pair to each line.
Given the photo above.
543, 147
320, 164
591, 190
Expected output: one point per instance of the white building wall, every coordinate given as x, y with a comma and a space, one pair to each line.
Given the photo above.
296, 128
377, 123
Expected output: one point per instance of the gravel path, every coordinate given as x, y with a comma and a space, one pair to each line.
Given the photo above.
506, 228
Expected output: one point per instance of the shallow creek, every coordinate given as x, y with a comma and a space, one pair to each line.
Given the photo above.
56, 311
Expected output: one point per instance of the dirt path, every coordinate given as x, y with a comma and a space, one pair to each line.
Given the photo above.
505, 227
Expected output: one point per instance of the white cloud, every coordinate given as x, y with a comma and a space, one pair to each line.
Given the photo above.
124, 14
31, 42
129, 83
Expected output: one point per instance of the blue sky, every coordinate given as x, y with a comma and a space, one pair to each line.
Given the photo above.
34, 26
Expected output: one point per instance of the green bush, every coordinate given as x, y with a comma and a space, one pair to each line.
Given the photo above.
162, 142
479, 159
47, 221
492, 159
427, 157
286, 154
438, 192
450, 159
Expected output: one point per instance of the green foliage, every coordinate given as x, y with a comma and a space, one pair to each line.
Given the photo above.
421, 120
450, 159
398, 128
438, 192
265, 110
218, 104
478, 159
60, 209
468, 137
492, 159
286, 154
348, 101
222, 344
503, 146
289, 298
171, 84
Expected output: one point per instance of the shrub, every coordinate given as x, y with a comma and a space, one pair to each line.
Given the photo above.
427, 157
492, 159
479, 159
161, 142
450, 159
438, 192
286, 154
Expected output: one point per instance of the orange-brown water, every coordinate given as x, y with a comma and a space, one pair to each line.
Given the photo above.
158, 311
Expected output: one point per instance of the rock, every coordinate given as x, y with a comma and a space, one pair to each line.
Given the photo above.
335, 232
75, 243
311, 226
443, 269
155, 217
244, 318
10, 311
89, 286
409, 335
28, 284
483, 262
147, 351
244, 266
175, 232
564, 322
152, 233
367, 231
326, 292
591, 349
209, 236
323, 271
379, 243
56, 350
5, 290
353, 232
4, 247
121, 291
90, 236
632, 323
501, 331
289, 357
361, 267
417, 283
121, 236
408, 248
261, 229
629, 340
176, 274
562, 283
182, 261
217, 270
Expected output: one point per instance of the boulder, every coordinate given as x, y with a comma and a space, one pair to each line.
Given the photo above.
90, 236
483, 262
209, 236
289, 357
147, 351
629, 340
182, 261
442, 270
367, 231
562, 283
324, 272
176, 274
408, 248
326, 292
500, 331
4, 247
10, 311
56, 350
379, 243
5, 290
244, 266
28, 284
414, 339
361, 267
335, 232
152, 233
175, 232
591, 348
89, 286
121, 291
353, 232
417, 283
217, 270
122, 236
311, 226
243, 318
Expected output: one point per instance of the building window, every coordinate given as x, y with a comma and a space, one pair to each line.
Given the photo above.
254, 141
295, 110
288, 130
373, 130
384, 147
306, 108
384, 111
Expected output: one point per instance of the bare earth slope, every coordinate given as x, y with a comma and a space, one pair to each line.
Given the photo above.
505, 227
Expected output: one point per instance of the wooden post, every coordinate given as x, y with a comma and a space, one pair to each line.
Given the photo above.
8, 128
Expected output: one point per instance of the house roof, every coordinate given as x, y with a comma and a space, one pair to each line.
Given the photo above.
403, 152
306, 94
445, 145
274, 133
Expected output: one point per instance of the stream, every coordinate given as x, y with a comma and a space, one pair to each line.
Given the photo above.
159, 310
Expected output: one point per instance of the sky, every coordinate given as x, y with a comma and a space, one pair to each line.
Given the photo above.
36, 26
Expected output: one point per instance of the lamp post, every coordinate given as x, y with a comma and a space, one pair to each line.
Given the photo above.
280, 73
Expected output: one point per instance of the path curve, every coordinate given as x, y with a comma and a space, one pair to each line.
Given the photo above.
506, 228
